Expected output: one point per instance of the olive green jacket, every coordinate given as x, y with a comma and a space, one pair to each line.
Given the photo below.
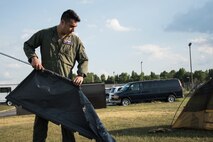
58, 55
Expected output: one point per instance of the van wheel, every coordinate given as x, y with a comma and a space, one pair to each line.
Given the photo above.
126, 102
9, 103
171, 98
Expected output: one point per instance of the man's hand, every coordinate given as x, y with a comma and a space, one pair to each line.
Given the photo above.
78, 80
35, 62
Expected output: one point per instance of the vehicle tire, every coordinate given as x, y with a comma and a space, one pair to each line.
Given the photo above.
9, 103
171, 98
125, 102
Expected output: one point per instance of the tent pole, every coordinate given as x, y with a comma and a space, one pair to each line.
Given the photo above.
14, 58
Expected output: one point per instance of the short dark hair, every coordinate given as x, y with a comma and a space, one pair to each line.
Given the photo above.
70, 14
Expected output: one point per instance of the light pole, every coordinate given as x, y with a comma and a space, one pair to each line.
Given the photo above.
114, 78
141, 70
190, 56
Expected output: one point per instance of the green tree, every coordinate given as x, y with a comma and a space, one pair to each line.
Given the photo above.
164, 75
141, 76
210, 74
186, 77
134, 76
180, 74
110, 80
89, 78
171, 74
103, 78
124, 77
199, 76
117, 79
96, 79
147, 77
154, 76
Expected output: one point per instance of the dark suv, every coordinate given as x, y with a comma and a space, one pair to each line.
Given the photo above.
139, 91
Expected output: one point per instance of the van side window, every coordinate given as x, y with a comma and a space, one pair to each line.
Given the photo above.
135, 87
146, 86
5, 89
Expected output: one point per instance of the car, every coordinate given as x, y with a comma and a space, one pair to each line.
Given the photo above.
107, 91
113, 90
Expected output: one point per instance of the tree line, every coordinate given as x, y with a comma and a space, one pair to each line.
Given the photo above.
184, 76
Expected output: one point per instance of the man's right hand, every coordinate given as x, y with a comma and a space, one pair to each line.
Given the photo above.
35, 62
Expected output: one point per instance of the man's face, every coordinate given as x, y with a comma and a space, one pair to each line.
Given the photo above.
68, 27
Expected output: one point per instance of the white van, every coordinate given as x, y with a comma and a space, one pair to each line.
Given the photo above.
5, 89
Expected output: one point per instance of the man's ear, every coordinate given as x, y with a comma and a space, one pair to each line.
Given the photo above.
62, 22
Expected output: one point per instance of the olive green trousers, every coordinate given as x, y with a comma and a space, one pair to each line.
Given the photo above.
40, 130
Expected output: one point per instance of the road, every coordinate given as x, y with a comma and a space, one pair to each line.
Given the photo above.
10, 112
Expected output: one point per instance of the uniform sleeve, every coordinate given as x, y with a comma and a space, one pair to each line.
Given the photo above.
31, 44
82, 60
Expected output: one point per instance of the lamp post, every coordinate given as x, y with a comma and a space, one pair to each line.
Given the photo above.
141, 70
190, 56
114, 77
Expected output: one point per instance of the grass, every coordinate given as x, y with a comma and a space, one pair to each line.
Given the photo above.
126, 124
5, 107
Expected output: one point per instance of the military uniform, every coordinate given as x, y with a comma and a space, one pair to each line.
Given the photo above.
57, 55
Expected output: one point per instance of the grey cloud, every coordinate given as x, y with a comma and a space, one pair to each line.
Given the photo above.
196, 20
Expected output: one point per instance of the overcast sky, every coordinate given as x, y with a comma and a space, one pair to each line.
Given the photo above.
118, 34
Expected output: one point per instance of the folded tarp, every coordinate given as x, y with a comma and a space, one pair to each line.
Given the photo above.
55, 98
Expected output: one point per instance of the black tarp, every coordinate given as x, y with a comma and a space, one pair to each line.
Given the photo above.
55, 98
95, 92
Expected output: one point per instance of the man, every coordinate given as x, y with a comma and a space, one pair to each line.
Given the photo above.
60, 49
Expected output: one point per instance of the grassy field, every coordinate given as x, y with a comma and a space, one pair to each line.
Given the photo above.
126, 124
5, 107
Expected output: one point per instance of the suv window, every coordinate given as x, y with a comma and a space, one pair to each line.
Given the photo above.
134, 87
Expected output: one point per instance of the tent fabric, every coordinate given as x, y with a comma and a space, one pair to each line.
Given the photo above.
55, 98
198, 112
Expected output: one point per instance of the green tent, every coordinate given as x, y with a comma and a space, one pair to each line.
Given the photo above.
198, 112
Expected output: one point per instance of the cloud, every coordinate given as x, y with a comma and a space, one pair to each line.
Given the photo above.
86, 1
153, 50
115, 25
206, 50
199, 40
27, 33
203, 40
156, 53
204, 45
156, 58
202, 51
6, 75
13, 72
196, 20
92, 26
13, 66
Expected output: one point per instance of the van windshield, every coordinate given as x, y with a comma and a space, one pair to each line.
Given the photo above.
125, 87
112, 90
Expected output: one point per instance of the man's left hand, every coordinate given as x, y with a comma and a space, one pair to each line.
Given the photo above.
78, 80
